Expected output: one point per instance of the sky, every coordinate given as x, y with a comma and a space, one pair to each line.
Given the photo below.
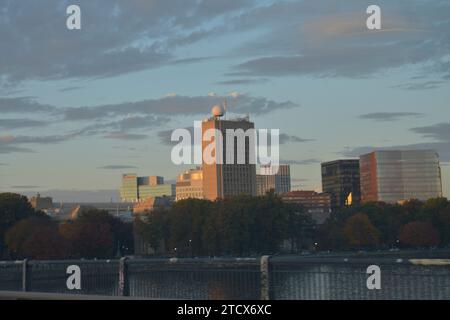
78, 108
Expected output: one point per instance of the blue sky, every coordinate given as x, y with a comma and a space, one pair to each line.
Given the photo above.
79, 108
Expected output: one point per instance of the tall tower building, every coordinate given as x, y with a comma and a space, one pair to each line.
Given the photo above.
224, 179
340, 179
395, 176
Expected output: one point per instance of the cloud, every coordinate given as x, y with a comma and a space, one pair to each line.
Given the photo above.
20, 123
13, 149
25, 187
165, 136
15, 140
174, 105
127, 148
69, 89
23, 105
285, 138
125, 136
110, 43
427, 85
443, 148
129, 122
115, 121
300, 162
326, 39
439, 132
11, 143
192, 60
242, 82
388, 116
320, 38
117, 167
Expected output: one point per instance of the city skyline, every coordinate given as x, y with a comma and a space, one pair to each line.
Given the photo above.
80, 108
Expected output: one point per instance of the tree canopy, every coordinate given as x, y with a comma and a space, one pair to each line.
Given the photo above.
411, 224
241, 225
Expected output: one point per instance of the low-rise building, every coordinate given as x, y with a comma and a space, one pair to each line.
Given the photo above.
150, 203
190, 185
318, 205
71, 210
41, 203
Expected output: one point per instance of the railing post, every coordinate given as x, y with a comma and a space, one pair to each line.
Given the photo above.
124, 285
265, 278
25, 275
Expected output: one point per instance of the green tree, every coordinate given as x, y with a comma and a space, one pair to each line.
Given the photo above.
13, 208
438, 212
330, 235
186, 225
241, 225
387, 219
359, 232
153, 227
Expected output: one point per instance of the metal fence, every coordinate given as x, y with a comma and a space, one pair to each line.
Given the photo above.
299, 278
346, 279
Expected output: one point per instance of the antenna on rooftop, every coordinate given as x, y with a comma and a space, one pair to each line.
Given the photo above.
225, 107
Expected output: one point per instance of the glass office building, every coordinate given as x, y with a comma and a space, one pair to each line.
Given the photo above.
129, 188
340, 179
396, 176
160, 190
135, 189
269, 180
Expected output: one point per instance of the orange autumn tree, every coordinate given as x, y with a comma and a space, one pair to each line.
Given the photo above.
35, 238
88, 239
419, 234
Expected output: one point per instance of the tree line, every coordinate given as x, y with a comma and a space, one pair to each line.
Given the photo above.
238, 226
27, 233
412, 224
246, 225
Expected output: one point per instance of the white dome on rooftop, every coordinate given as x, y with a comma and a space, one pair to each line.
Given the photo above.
217, 111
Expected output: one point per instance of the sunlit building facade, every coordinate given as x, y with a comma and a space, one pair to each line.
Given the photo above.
135, 189
190, 185
222, 180
395, 176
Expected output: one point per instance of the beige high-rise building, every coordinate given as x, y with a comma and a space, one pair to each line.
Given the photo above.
222, 180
